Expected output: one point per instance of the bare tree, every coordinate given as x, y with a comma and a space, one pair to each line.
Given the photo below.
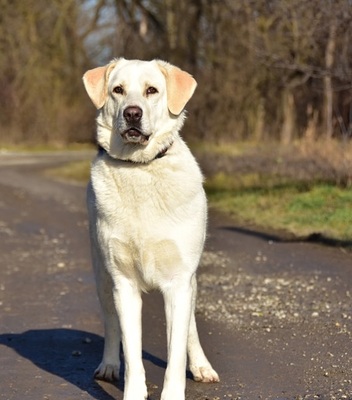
328, 84
260, 64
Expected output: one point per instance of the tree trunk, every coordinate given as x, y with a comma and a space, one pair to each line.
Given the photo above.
260, 121
171, 28
289, 116
328, 86
312, 124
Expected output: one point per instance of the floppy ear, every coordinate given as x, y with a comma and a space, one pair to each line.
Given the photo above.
95, 81
180, 86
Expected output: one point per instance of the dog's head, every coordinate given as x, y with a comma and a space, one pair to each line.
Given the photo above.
140, 106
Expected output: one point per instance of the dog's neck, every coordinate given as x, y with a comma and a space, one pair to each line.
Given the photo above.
161, 154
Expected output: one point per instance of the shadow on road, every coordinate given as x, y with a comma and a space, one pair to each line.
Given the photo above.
318, 238
69, 354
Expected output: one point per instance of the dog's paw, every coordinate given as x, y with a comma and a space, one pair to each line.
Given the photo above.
136, 394
204, 374
135, 389
107, 372
176, 393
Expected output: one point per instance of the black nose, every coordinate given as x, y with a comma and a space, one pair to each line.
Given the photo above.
133, 114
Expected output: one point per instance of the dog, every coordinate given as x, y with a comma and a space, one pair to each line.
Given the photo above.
147, 216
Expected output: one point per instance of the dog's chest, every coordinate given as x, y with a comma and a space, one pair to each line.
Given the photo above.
148, 194
150, 218
144, 192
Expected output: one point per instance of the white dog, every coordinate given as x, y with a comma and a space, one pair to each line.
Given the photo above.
147, 212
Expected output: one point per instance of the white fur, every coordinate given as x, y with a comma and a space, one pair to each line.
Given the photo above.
147, 223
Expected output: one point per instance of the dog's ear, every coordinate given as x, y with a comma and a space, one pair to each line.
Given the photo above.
96, 82
180, 86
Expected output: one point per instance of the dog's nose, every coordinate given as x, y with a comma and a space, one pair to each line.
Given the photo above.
133, 114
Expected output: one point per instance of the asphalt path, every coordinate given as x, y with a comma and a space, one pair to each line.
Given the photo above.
275, 315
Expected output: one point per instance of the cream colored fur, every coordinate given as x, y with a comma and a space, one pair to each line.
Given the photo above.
147, 212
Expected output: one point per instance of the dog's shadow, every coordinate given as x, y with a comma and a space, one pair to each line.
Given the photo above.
69, 354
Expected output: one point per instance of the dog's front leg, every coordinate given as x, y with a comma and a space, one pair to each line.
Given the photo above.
199, 365
129, 307
178, 307
110, 366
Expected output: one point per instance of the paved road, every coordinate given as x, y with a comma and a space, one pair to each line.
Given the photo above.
275, 316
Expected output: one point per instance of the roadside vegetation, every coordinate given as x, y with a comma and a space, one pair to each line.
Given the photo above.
76, 171
307, 211
283, 190
303, 193
266, 69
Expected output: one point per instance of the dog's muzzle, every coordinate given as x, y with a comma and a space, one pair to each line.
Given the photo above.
134, 135
133, 116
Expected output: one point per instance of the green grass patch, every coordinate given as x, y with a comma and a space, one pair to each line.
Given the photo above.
298, 208
270, 202
77, 171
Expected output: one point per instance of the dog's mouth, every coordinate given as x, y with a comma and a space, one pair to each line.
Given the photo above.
134, 135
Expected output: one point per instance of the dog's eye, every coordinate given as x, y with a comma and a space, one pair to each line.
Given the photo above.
151, 90
118, 90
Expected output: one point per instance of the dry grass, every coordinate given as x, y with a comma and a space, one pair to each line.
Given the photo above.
335, 157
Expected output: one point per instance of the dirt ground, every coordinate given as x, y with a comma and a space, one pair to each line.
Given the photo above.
275, 316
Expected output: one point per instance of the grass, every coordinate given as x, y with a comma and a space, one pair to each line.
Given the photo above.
302, 209
76, 171
267, 201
